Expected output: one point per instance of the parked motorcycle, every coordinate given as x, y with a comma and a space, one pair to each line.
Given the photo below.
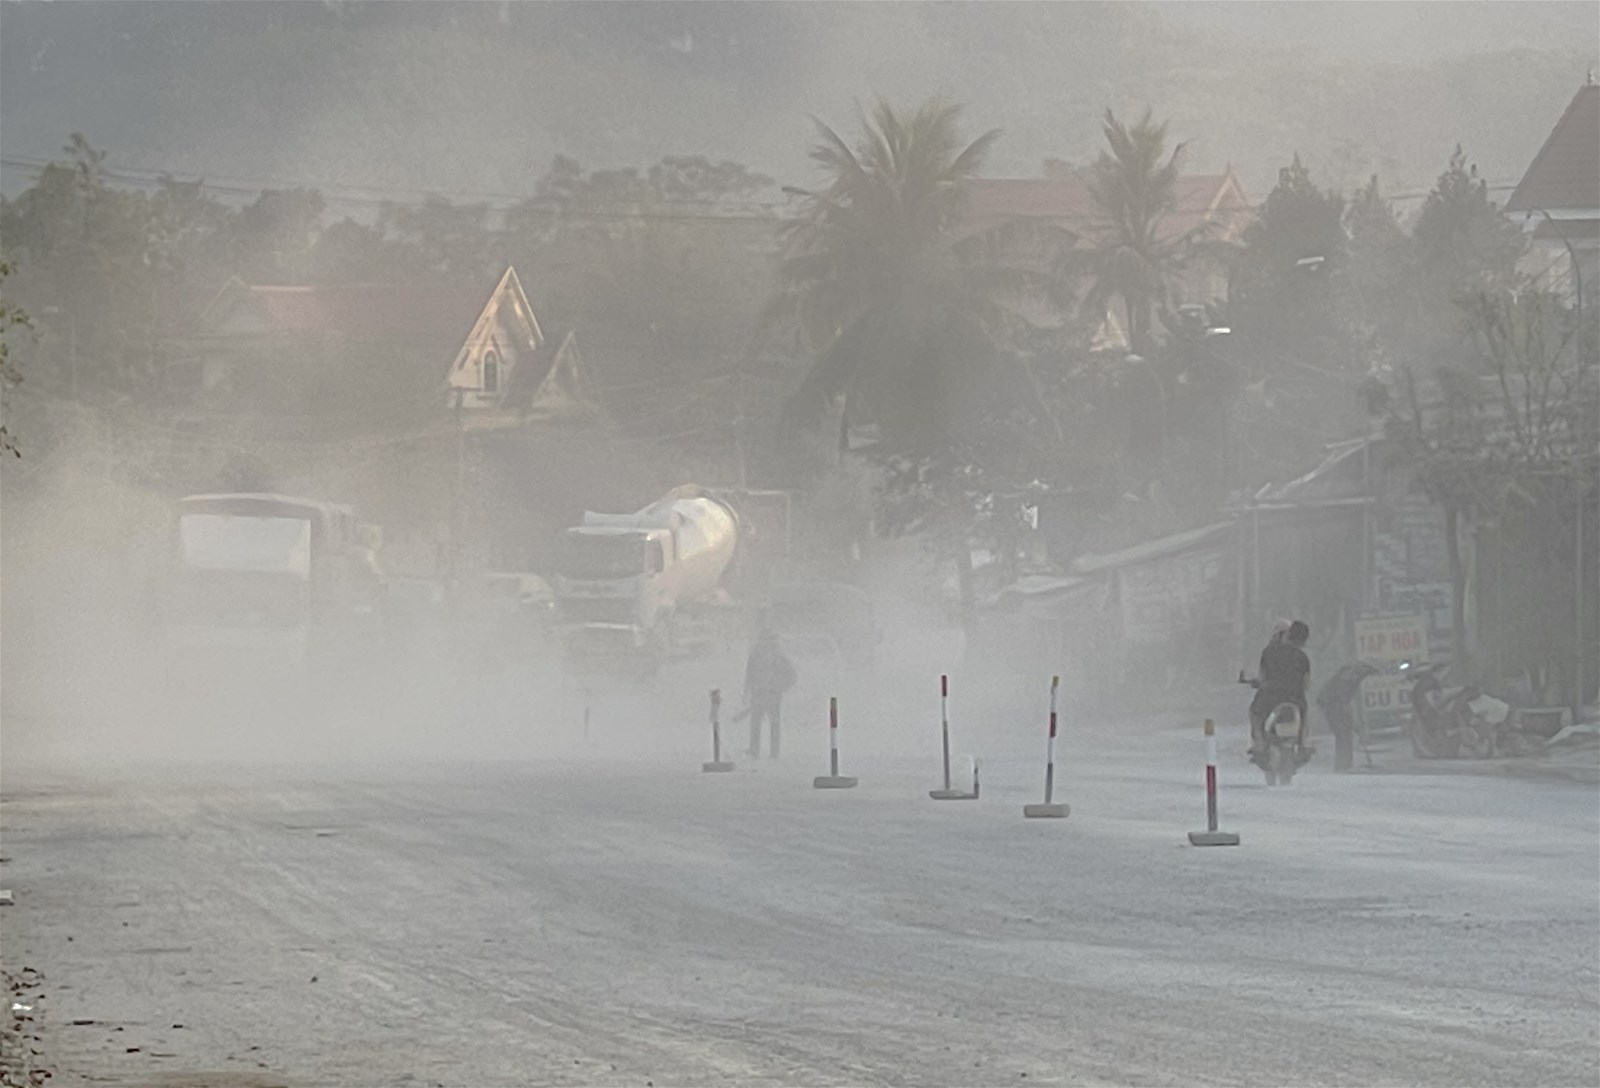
1459, 722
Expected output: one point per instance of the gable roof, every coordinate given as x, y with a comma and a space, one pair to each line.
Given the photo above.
1565, 174
551, 384
507, 305
546, 380
1067, 202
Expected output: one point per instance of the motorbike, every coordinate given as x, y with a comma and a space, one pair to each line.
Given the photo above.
1282, 749
1459, 722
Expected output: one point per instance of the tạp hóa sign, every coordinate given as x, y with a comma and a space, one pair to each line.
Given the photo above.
1390, 640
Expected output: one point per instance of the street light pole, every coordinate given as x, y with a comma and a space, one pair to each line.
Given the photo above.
1577, 273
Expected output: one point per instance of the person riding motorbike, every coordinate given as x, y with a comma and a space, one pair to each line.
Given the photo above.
1284, 676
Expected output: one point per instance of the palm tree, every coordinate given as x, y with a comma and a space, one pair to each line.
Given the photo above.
900, 304
1134, 190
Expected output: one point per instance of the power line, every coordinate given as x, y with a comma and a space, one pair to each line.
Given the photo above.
523, 204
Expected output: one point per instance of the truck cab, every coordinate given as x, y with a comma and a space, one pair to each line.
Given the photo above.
609, 578
630, 582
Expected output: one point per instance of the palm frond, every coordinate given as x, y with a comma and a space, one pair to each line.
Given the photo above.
967, 164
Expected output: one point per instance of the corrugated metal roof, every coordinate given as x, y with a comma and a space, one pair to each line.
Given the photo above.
1340, 475
1565, 174
1153, 549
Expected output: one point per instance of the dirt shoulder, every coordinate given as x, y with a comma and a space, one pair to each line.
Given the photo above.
23, 1062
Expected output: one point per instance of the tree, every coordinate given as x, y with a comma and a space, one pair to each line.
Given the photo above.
1463, 248
349, 252
1134, 186
93, 272
452, 240
1290, 312
661, 269
901, 306
694, 179
1381, 301
11, 317
1464, 243
1276, 309
1507, 433
270, 240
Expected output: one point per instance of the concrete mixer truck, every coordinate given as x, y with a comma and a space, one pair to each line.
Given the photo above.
640, 586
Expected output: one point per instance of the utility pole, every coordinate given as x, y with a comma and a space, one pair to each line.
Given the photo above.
457, 497
740, 427
1579, 680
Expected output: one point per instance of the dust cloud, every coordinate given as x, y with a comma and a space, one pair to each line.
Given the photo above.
92, 680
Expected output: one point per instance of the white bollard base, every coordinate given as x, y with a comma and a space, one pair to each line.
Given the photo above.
1213, 838
952, 795
716, 765
1054, 811
833, 782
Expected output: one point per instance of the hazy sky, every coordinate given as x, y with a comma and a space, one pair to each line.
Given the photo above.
472, 99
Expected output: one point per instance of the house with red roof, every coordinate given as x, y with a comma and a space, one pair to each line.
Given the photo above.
1558, 199
421, 342
482, 417
1209, 216
500, 367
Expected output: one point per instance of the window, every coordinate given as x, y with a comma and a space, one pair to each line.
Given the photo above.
491, 371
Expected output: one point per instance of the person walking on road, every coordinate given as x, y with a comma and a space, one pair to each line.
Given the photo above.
768, 675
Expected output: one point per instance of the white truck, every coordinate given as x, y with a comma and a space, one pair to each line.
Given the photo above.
272, 577
645, 584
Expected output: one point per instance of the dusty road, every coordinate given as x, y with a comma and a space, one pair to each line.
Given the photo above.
589, 922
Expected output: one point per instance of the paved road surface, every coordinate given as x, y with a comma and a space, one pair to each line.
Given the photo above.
590, 922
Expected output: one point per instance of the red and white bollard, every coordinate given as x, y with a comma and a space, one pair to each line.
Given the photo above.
717, 762
1211, 836
833, 780
1050, 808
949, 793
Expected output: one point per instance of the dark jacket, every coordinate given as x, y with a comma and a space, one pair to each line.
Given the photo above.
1285, 672
768, 672
1343, 685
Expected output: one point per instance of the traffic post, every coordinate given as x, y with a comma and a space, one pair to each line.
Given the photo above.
1050, 809
1211, 836
717, 762
833, 780
949, 793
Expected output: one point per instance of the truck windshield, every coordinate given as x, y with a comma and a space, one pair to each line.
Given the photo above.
587, 555
239, 543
